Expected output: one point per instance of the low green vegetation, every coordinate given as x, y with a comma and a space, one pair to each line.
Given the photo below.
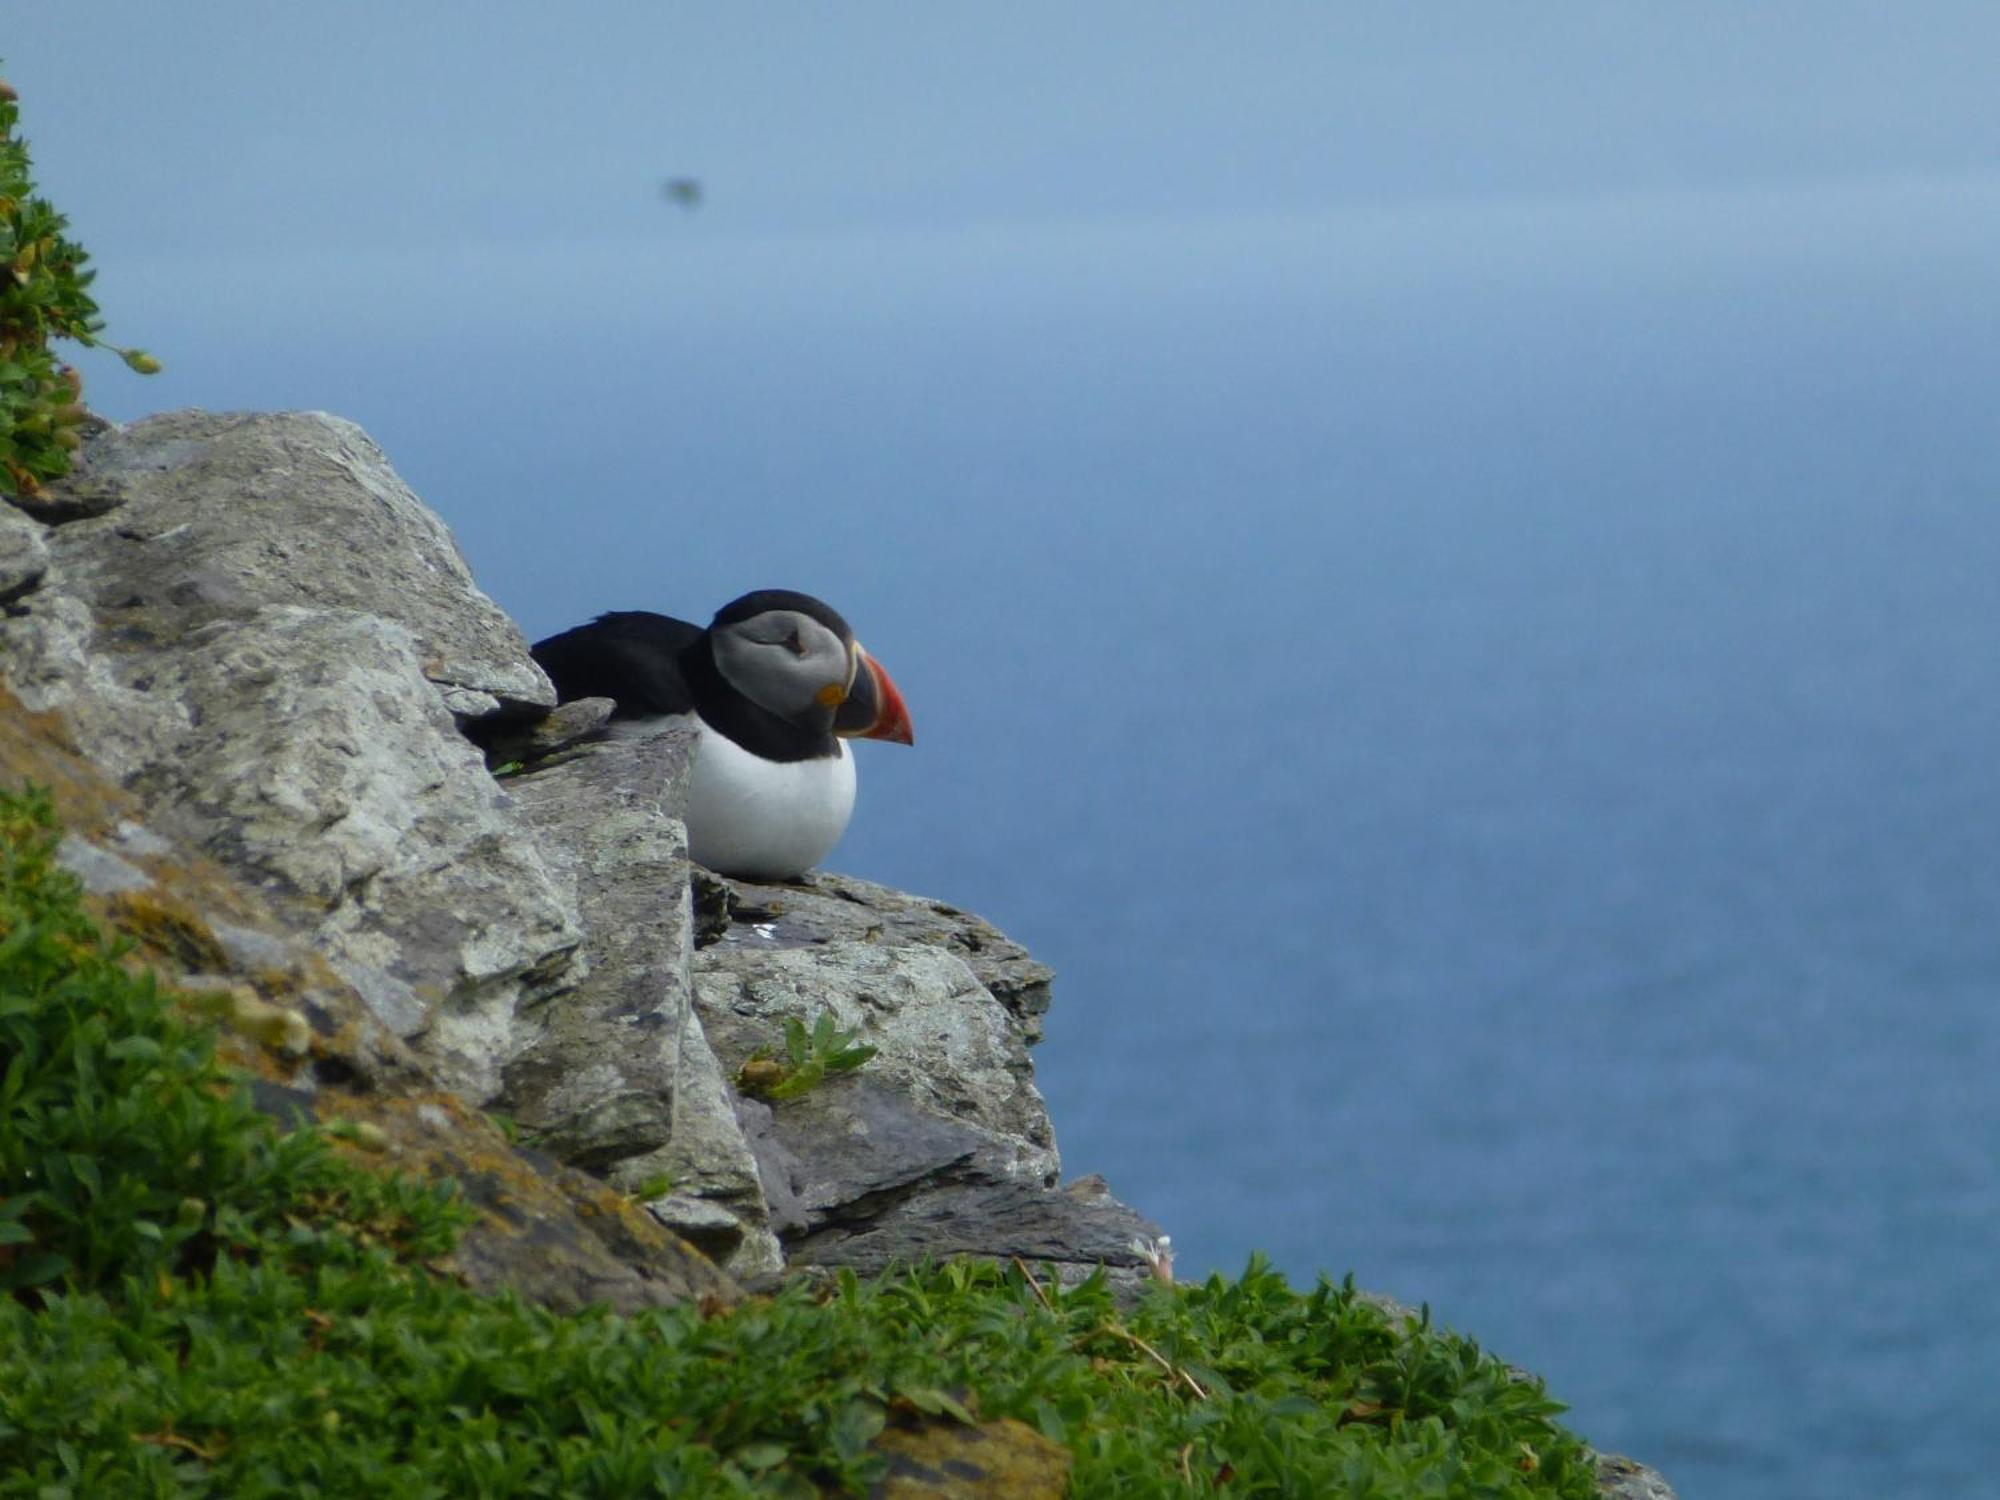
197, 1304
44, 294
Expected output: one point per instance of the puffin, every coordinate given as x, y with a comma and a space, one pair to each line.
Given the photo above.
775, 686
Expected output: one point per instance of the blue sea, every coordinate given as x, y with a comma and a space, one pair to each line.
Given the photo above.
1494, 714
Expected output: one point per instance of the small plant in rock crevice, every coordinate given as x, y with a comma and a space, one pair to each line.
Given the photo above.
810, 1057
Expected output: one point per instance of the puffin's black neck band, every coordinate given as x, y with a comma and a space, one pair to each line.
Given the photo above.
749, 724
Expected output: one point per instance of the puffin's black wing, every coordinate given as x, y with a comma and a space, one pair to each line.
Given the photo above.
630, 656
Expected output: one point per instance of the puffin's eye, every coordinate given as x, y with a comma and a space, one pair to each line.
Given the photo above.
795, 643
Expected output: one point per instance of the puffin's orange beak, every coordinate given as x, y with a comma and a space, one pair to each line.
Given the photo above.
874, 709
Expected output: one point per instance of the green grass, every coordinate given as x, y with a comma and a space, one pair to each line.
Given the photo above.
199, 1305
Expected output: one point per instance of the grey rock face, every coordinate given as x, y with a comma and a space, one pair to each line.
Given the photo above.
102, 872
1001, 1219
852, 1145
710, 1157
261, 632
311, 1048
1627, 1479
511, 743
24, 556
944, 1043
598, 1082
318, 758
216, 515
940, 1144
833, 908
618, 1077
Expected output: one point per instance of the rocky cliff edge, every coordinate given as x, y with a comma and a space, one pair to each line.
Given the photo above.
271, 702
257, 666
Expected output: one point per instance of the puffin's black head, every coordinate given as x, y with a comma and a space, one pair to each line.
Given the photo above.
796, 658
768, 601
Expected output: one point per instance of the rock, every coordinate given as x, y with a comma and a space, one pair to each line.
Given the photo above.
314, 758
993, 1220
24, 556
619, 1078
709, 1227
947, 1099
548, 1232
943, 1041
102, 872
214, 515
827, 908
72, 498
714, 907
510, 743
265, 635
1626, 1479
709, 1156
46, 661
597, 1083
1002, 1460
939, 1144
853, 1143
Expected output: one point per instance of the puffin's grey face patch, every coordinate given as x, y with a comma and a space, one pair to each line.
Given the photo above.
783, 661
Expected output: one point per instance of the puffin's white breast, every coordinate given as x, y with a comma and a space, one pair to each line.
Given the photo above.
765, 819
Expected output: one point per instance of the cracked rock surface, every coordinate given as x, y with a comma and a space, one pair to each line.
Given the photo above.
940, 1145
251, 623
24, 556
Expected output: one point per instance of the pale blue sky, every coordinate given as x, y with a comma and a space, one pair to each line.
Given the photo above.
891, 188
261, 128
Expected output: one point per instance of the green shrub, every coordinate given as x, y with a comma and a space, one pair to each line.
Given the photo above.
44, 281
200, 1305
127, 1154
